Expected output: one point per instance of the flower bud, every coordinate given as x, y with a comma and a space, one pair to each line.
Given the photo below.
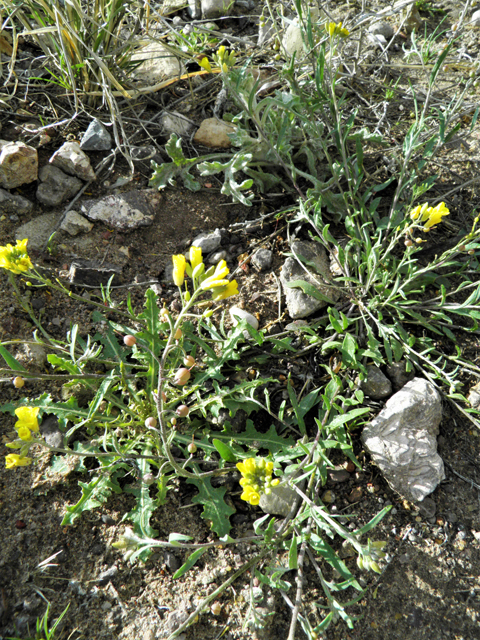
18, 382
182, 377
129, 340
164, 396
164, 315
174, 422
192, 448
182, 411
189, 361
151, 423
471, 252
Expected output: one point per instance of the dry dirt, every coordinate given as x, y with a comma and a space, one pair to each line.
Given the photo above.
429, 589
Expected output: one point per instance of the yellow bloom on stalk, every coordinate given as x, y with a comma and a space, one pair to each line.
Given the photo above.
256, 479
231, 289
195, 256
27, 417
14, 460
430, 216
24, 433
205, 64
334, 29
179, 269
218, 277
15, 259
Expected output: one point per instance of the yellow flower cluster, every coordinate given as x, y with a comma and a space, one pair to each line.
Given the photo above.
256, 479
214, 279
334, 30
224, 60
26, 424
15, 258
430, 216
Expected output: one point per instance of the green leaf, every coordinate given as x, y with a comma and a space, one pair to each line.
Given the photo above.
374, 521
191, 560
178, 537
309, 289
292, 554
349, 347
144, 507
10, 360
226, 452
215, 509
231, 187
168, 172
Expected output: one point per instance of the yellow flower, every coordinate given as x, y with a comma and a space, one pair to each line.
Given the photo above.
218, 277
179, 269
430, 216
27, 417
14, 460
231, 289
205, 64
256, 478
24, 433
15, 258
336, 30
195, 256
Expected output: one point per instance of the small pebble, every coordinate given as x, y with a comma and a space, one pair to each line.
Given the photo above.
355, 494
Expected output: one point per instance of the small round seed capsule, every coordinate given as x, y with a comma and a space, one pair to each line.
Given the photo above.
129, 340
182, 376
182, 411
216, 608
151, 423
189, 361
192, 448
18, 382
178, 334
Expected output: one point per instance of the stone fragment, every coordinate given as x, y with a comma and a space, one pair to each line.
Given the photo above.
10, 203
355, 494
293, 41
300, 304
208, 242
38, 230
32, 355
71, 159
411, 19
427, 507
474, 396
216, 256
96, 137
214, 133
262, 259
125, 211
376, 386
157, 63
475, 19
195, 9
50, 431
56, 186
382, 29
266, 31
397, 372
93, 273
212, 9
74, 223
338, 475
402, 440
279, 501
18, 164
238, 314
177, 123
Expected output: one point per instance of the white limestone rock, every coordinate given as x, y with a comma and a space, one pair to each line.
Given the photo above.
18, 164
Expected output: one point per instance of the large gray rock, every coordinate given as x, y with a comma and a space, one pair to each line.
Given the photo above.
56, 186
125, 211
10, 203
216, 8
300, 304
402, 440
208, 242
38, 230
71, 159
18, 164
96, 137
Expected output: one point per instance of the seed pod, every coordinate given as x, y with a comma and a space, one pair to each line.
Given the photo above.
18, 382
192, 448
408, 243
182, 411
216, 608
129, 340
189, 361
178, 334
151, 423
182, 376
148, 478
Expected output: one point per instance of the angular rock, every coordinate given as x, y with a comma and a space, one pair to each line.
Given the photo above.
382, 29
262, 259
93, 273
376, 386
293, 41
237, 315
56, 186
74, 223
18, 164
10, 203
474, 396
279, 501
397, 372
216, 256
38, 230
212, 9
475, 19
71, 159
158, 63
96, 137
50, 431
299, 304
402, 440
174, 122
411, 19
125, 211
214, 133
208, 242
